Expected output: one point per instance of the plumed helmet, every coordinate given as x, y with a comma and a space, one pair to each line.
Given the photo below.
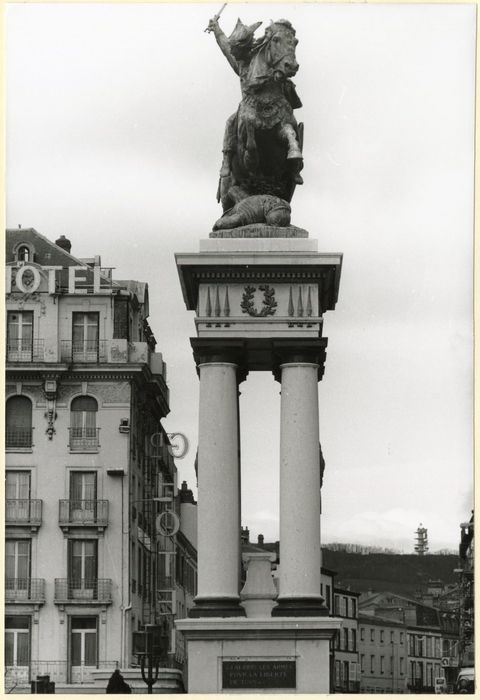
242, 35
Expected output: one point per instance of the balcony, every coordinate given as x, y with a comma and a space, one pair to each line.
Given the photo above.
84, 351
23, 512
84, 513
25, 590
23, 350
83, 591
84, 439
57, 670
19, 439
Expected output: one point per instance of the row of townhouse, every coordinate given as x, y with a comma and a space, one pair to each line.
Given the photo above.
405, 646
94, 543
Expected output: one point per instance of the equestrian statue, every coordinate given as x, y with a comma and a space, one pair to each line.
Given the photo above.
262, 146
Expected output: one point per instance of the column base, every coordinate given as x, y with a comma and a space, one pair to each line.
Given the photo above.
300, 607
216, 607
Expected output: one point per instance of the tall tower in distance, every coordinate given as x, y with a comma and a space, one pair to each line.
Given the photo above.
421, 545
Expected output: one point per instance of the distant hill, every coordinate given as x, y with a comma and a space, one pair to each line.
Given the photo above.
400, 573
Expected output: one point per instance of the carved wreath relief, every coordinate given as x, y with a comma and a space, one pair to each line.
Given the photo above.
269, 304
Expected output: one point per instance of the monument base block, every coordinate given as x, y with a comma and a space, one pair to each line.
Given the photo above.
300, 607
252, 655
217, 607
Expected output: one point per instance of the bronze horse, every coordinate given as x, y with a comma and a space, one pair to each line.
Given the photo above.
263, 142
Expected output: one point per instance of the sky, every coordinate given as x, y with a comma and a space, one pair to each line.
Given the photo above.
115, 117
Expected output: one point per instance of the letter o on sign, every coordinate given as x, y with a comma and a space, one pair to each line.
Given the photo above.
167, 523
35, 282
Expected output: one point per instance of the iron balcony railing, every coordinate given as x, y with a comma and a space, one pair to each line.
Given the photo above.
18, 437
23, 511
83, 590
83, 512
24, 350
83, 350
57, 670
84, 439
18, 590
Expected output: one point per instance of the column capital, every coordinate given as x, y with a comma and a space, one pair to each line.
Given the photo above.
217, 350
299, 351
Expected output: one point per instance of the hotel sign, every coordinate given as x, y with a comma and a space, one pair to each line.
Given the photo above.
28, 278
259, 674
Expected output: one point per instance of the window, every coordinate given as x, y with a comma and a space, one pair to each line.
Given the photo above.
362, 663
17, 640
392, 637
354, 640
82, 567
345, 638
83, 645
17, 496
382, 636
402, 665
401, 637
437, 648
19, 422
372, 635
328, 596
372, 663
17, 566
354, 607
83, 497
19, 336
121, 325
429, 646
83, 424
362, 634
382, 664
421, 646
429, 678
24, 254
85, 343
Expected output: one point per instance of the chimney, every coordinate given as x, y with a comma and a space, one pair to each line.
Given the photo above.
186, 494
260, 540
64, 243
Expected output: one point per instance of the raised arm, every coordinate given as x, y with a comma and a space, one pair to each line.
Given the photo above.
222, 41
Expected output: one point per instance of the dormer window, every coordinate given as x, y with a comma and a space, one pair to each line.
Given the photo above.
24, 253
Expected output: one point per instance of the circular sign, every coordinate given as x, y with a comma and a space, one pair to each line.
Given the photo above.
167, 523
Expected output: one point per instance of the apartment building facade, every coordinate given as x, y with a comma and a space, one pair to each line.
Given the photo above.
431, 636
92, 509
383, 655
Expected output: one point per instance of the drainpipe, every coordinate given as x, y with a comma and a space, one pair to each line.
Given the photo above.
123, 641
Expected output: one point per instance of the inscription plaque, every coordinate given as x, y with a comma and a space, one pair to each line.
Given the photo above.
259, 674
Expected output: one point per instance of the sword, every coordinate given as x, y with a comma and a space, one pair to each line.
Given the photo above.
215, 19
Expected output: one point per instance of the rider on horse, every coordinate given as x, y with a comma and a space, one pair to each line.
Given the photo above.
243, 53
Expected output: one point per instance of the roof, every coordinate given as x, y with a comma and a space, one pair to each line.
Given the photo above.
379, 598
345, 591
377, 620
46, 252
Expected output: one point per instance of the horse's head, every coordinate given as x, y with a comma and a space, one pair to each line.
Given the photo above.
280, 50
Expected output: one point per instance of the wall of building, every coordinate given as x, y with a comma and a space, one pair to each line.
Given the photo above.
383, 656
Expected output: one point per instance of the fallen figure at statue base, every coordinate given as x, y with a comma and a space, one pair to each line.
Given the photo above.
256, 209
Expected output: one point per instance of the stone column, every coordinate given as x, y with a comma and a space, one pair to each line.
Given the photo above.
300, 554
218, 492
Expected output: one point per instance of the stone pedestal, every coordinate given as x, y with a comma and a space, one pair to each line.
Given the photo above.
268, 655
259, 305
